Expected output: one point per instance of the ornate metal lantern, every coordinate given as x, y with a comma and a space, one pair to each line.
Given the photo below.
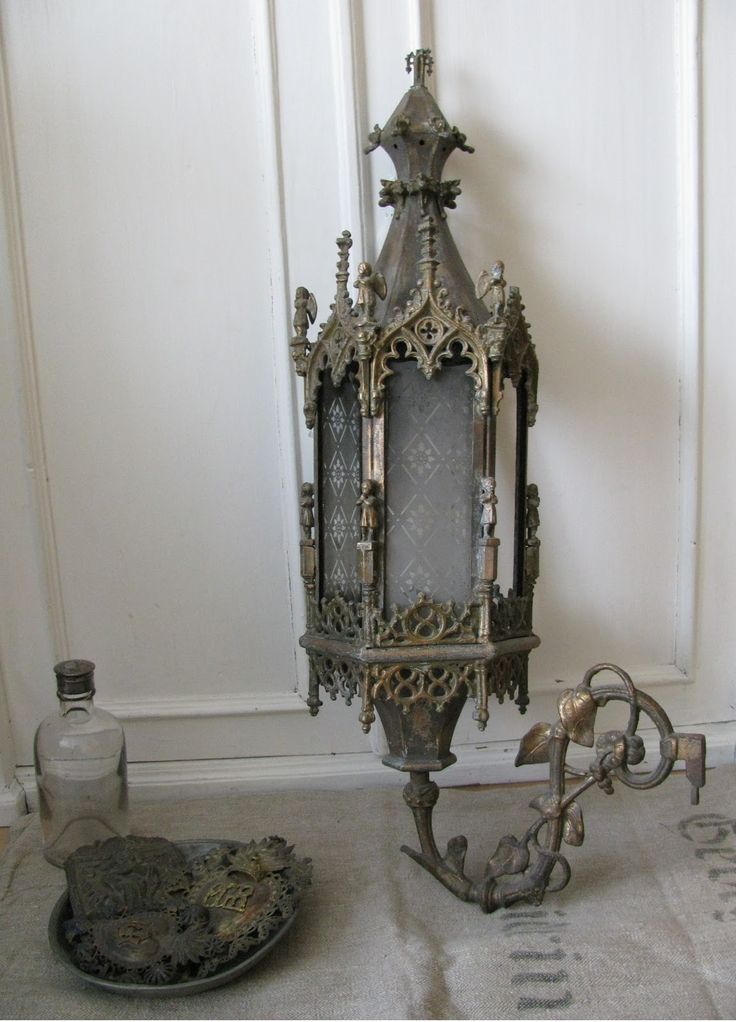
399, 550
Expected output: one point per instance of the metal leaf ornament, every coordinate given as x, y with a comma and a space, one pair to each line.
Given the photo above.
534, 746
547, 804
577, 710
511, 856
573, 830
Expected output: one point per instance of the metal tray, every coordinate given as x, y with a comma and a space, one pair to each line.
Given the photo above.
62, 912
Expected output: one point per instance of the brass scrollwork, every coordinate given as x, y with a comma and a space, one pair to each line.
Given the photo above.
435, 684
426, 622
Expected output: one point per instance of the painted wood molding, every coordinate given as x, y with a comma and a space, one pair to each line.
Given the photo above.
348, 71
269, 135
651, 676
30, 383
688, 90
481, 763
180, 708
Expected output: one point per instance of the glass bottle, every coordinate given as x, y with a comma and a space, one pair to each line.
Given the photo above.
81, 770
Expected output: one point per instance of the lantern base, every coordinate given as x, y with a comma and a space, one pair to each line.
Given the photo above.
416, 682
525, 870
419, 736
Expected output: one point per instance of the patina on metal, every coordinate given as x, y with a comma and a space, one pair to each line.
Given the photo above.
399, 553
145, 915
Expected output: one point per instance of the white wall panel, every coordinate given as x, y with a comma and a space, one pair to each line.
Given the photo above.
390, 30
144, 234
181, 168
26, 627
573, 185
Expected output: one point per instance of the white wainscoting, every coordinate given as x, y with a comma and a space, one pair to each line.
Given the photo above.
484, 763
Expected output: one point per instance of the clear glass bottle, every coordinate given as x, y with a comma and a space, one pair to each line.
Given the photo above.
81, 770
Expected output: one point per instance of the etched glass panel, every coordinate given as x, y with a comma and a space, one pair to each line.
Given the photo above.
429, 484
339, 487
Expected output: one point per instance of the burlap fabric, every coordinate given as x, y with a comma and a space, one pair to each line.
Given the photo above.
646, 928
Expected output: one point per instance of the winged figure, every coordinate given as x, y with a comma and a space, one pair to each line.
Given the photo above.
494, 285
305, 306
370, 285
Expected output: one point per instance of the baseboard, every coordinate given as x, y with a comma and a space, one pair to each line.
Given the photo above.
12, 803
481, 763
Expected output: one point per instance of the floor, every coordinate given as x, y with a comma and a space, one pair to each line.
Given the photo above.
4, 831
553, 961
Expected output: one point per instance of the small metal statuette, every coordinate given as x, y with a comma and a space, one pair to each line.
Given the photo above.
369, 505
306, 512
488, 500
493, 283
531, 543
305, 305
307, 547
370, 285
305, 312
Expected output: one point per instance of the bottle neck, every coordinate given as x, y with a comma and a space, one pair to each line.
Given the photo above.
72, 704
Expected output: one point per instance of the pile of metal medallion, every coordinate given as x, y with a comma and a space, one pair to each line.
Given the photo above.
144, 915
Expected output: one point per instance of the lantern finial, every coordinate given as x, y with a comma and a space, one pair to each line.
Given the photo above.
422, 62
344, 244
428, 251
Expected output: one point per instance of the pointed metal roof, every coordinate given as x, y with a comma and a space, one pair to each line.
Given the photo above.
419, 139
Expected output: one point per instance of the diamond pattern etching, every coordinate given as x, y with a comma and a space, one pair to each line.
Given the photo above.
337, 473
339, 487
429, 484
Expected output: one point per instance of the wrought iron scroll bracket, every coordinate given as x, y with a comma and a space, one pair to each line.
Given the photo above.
526, 869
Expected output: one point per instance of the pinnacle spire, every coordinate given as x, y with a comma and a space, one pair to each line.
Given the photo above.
422, 62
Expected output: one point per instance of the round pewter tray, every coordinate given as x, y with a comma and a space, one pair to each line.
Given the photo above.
62, 911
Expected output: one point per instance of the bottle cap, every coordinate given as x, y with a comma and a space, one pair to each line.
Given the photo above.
75, 679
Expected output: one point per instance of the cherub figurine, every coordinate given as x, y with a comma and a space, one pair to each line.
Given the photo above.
488, 501
305, 306
369, 284
306, 513
369, 506
493, 283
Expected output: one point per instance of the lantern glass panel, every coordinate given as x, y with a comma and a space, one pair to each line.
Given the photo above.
339, 490
429, 484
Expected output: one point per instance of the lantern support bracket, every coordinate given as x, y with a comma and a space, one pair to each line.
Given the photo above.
524, 870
